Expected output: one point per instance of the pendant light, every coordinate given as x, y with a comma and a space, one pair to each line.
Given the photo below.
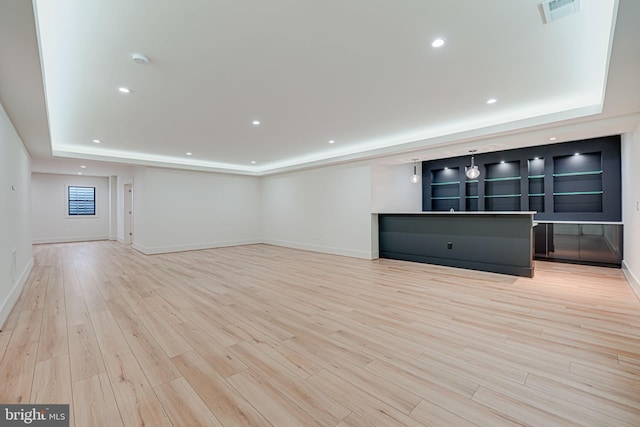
472, 172
415, 178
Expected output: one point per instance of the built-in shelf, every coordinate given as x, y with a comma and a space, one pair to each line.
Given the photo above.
445, 189
445, 183
577, 183
535, 188
508, 178
557, 175
577, 193
471, 199
502, 186
569, 181
493, 196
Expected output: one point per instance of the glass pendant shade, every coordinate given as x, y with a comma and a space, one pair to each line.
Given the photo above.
415, 178
472, 172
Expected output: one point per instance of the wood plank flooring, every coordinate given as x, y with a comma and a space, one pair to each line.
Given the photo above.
260, 335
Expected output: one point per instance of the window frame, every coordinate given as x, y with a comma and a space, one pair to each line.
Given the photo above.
68, 213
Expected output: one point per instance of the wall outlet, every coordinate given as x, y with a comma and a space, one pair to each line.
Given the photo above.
449, 245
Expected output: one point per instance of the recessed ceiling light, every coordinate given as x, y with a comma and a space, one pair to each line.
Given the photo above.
438, 42
255, 122
536, 158
83, 167
253, 162
79, 173
124, 90
446, 168
491, 101
553, 138
332, 142
576, 154
502, 161
188, 153
97, 141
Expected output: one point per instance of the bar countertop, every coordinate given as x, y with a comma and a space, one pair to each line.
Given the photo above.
459, 213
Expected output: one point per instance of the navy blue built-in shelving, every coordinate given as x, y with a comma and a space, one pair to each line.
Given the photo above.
572, 181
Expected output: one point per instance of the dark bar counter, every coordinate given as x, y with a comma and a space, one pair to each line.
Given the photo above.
499, 242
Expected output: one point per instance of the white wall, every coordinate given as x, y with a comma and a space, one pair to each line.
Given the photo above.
631, 207
182, 210
392, 191
325, 210
15, 216
51, 222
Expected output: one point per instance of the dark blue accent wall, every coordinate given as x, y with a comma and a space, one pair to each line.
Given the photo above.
571, 181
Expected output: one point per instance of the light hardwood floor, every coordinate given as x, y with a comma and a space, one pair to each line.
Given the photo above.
261, 335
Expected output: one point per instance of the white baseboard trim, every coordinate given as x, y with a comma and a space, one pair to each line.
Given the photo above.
631, 278
10, 302
69, 239
211, 245
192, 246
323, 249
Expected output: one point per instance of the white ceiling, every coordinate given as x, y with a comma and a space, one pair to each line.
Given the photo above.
362, 73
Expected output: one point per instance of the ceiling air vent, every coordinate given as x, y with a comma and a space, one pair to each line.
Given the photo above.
555, 9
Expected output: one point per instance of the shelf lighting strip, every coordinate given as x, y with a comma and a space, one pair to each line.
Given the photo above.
492, 196
445, 183
578, 193
578, 173
509, 178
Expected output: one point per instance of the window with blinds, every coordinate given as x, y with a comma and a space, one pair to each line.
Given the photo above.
82, 201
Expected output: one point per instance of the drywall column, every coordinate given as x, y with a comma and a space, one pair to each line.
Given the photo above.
16, 256
631, 207
113, 208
